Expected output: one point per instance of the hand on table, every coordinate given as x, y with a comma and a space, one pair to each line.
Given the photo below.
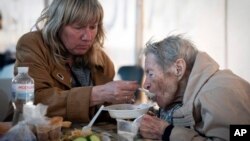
152, 127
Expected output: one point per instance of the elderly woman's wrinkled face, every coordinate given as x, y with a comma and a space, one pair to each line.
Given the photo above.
163, 85
78, 39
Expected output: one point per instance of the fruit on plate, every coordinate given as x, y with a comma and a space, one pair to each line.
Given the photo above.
92, 137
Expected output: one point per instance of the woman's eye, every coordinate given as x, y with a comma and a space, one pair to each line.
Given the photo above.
93, 27
150, 74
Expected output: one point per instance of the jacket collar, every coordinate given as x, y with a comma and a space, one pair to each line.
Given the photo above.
204, 68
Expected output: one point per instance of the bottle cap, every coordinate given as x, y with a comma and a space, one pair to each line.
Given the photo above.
22, 69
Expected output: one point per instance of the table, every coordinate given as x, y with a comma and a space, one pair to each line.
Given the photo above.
110, 129
105, 128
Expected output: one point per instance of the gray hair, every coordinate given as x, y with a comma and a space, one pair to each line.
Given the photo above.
168, 50
65, 12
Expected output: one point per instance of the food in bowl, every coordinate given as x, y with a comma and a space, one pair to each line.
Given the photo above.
127, 111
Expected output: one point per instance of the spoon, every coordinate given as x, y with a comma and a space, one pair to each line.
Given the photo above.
136, 124
149, 94
138, 120
88, 127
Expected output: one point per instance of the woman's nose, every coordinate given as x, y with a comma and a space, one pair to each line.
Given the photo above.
86, 34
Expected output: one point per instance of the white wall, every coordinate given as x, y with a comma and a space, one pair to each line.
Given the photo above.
119, 21
239, 37
18, 18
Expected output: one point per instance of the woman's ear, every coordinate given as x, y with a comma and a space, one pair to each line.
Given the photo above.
180, 68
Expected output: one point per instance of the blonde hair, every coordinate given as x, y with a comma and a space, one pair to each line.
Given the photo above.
65, 12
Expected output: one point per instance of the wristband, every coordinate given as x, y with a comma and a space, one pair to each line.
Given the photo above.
167, 132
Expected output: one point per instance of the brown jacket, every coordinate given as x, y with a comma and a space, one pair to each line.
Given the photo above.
52, 84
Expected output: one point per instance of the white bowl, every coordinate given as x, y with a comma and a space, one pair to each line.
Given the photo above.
127, 111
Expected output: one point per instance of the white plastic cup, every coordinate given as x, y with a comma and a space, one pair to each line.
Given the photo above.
126, 129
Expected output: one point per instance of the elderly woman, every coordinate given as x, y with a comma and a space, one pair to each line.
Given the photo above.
197, 100
72, 73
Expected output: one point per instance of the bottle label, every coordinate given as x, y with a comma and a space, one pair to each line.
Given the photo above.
23, 92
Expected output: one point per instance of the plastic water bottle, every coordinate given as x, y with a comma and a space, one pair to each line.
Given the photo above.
22, 92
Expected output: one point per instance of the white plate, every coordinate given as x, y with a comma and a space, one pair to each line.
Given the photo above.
127, 111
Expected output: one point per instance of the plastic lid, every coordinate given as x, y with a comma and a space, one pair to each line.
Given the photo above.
22, 69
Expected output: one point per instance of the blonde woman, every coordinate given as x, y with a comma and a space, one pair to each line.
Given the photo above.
72, 73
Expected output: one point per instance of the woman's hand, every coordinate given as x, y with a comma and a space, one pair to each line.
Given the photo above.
114, 92
152, 127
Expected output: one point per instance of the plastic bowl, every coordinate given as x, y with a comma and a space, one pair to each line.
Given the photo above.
127, 111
